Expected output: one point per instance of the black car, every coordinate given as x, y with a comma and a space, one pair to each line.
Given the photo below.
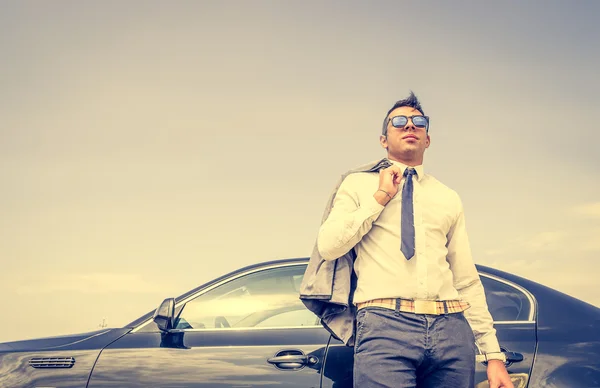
249, 329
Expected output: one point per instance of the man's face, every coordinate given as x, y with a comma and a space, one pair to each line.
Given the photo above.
406, 143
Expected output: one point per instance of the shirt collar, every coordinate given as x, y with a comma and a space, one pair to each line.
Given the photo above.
419, 169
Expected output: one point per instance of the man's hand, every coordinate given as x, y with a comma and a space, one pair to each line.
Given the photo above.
498, 375
389, 179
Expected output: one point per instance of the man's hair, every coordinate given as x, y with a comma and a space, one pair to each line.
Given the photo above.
411, 101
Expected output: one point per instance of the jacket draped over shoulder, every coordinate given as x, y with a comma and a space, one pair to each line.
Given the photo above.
328, 285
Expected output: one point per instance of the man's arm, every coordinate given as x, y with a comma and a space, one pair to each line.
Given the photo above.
349, 219
470, 289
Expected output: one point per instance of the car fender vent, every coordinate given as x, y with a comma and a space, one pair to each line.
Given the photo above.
52, 362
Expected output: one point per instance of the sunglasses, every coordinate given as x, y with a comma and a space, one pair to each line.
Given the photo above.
418, 121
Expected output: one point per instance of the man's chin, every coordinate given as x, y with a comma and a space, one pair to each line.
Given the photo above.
409, 150
406, 153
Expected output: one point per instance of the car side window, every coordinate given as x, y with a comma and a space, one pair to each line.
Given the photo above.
505, 302
267, 298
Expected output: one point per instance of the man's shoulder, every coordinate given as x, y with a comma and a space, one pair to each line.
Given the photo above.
370, 166
363, 170
358, 178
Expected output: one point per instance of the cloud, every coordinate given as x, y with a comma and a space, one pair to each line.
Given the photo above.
591, 241
544, 241
96, 283
561, 259
576, 240
588, 210
493, 252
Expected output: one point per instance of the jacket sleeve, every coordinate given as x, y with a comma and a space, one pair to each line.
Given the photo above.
349, 220
469, 287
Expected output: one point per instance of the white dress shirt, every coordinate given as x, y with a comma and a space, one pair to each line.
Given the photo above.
442, 267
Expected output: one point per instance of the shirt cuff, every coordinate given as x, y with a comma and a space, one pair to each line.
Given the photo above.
495, 356
488, 346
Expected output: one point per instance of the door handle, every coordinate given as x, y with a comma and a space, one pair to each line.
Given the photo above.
292, 359
513, 357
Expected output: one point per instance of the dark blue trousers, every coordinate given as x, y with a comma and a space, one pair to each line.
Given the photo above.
399, 349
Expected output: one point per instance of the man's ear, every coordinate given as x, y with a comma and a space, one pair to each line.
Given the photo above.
383, 141
428, 141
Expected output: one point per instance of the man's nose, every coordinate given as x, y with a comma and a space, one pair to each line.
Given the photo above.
410, 126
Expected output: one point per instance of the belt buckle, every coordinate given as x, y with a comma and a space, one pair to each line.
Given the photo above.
426, 307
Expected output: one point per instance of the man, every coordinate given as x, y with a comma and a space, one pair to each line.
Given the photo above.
393, 257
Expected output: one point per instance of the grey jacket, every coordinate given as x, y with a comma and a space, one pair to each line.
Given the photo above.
328, 286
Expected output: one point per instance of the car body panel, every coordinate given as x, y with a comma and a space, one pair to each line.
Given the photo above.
568, 337
559, 340
519, 338
209, 358
90, 340
15, 370
568, 352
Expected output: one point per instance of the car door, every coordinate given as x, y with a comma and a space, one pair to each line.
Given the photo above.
512, 309
250, 329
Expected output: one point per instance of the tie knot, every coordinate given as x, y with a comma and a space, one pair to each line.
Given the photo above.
410, 171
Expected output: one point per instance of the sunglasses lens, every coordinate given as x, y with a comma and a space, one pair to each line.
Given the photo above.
399, 121
419, 121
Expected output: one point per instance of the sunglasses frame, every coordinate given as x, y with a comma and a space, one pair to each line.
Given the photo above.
411, 119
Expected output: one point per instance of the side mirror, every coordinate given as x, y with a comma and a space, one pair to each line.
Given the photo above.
164, 316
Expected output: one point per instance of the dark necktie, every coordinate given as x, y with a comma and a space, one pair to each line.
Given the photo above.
408, 220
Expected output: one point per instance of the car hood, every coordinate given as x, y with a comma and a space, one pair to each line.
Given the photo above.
91, 340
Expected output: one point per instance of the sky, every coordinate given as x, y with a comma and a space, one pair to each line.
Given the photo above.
147, 147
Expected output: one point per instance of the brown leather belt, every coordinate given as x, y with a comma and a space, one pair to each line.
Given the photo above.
431, 307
